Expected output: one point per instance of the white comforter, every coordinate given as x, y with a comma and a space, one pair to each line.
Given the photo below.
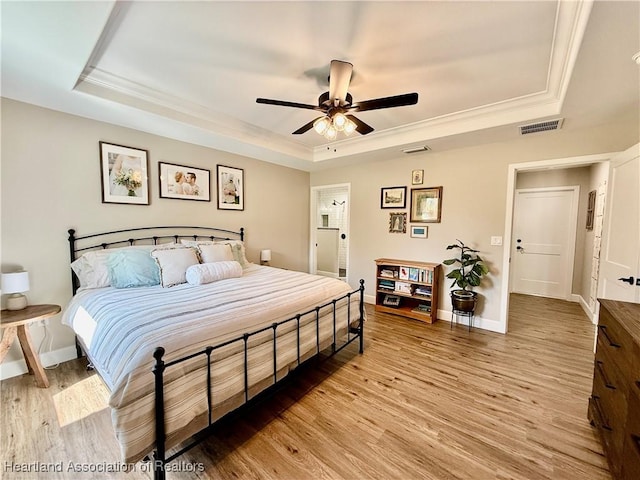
121, 329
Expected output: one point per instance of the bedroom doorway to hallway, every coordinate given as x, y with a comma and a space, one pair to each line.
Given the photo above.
329, 235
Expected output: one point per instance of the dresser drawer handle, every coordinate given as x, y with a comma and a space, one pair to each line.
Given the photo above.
596, 402
607, 383
603, 329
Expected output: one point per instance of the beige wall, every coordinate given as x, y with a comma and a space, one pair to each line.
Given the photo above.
473, 205
51, 182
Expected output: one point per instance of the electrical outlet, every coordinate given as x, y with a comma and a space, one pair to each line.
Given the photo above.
496, 241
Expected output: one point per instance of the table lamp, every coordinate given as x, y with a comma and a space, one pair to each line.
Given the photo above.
265, 257
15, 284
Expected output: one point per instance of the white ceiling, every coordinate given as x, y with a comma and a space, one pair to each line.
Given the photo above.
193, 70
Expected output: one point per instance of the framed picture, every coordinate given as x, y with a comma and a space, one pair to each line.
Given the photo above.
184, 183
419, 231
426, 205
398, 222
230, 188
124, 174
393, 197
416, 177
591, 209
391, 301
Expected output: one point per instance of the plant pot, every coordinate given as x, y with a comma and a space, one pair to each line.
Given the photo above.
464, 300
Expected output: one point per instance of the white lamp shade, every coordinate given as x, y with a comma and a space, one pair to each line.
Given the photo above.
265, 255
15, 282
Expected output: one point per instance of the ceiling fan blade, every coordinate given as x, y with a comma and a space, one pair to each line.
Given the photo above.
386, 102
282, 103
361, 127
339, 78
306, 127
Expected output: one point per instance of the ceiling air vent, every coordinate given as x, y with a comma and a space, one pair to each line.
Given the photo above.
541, 126
421, 148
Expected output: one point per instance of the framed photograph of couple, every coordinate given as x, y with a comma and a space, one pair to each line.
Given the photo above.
124, 174
184, 183
230, 188
426, 205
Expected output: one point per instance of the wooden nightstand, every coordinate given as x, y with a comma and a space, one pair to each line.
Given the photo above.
15, 323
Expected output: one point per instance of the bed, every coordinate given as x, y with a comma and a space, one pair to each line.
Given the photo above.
178, 358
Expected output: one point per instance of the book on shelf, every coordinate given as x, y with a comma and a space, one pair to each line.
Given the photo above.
422, 308
404, 287
388, 273
403, 273
422, 290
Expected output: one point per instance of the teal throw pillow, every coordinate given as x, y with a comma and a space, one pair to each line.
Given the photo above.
133, 268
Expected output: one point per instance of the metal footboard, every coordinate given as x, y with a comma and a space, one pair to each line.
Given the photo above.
355, 331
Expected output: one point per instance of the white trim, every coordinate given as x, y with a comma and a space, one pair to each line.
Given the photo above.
478, 322
19, 367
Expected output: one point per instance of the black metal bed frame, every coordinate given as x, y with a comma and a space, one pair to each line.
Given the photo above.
160, 458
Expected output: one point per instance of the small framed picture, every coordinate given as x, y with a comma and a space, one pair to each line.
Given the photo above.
230, 188
426, 205
419, 232
124, 174
398, 222
416, 177
391, 300
184, 183
393, 197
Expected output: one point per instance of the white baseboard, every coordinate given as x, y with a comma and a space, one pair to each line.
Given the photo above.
585, 306
478, 322
19, 367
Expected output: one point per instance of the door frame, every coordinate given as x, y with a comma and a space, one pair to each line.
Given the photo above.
313, 211
569, 265
513, 170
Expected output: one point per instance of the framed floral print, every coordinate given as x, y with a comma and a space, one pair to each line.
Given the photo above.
124, 174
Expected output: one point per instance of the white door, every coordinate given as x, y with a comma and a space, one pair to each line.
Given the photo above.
620, 255
543, 243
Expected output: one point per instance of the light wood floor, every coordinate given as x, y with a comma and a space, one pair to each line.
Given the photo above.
423, 402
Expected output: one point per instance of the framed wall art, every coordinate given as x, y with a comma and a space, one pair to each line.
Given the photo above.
230, 188
184, 183
419, 231
426, 205
416, 177
398, 222
393, 197
123, 172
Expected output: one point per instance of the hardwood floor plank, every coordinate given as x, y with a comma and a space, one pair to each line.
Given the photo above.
423, 402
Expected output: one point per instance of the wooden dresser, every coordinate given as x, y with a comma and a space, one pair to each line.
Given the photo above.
614, 406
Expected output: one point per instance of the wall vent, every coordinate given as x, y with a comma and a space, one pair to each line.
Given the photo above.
541, 126
422, 148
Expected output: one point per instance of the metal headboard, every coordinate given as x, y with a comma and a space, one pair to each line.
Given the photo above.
142, 236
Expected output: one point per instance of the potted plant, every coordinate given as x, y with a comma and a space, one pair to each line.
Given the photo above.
468, 272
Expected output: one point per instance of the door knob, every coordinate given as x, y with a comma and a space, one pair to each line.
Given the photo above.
518, 247
627, 280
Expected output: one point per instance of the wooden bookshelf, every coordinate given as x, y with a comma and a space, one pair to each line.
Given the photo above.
408, 288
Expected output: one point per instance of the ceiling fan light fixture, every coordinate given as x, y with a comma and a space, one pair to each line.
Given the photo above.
339, 121
321, 125
349, 127
331, 133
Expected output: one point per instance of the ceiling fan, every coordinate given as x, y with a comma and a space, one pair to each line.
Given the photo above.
337, 105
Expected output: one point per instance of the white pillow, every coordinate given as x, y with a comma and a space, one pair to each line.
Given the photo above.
215, 253
92, 270
237, 248
173, 263
211, 272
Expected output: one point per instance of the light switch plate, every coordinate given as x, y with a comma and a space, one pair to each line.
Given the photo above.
496, 241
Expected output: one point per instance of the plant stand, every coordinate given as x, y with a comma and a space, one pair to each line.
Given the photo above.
454, 317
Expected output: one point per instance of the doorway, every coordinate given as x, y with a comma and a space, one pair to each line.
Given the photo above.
329, 249
543, 243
